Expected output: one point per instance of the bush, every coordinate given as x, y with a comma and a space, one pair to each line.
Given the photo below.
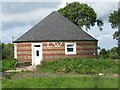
7, 51
8, 64
85, 66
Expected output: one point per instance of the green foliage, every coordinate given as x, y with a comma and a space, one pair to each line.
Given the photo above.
103, 53
0, 51
62, 82
8, 64
113, 53
116, 35
114, 19
0, 65
7, 51
118, 51
81, 15
84, 66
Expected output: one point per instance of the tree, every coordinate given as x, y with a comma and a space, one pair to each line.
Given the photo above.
114, 19
0, 51
113, 53
103, 53
81, 15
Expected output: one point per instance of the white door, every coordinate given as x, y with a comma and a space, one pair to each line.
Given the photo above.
37, 54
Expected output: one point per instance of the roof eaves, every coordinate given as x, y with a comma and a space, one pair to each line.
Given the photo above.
51, 41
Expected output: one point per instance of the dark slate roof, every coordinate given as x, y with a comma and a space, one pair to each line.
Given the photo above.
55, 27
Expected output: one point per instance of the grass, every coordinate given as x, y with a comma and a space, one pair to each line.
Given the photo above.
62, 82
83, 66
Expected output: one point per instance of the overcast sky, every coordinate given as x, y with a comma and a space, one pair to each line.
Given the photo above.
19, 17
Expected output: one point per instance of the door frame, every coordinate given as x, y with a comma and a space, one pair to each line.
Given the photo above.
33, 57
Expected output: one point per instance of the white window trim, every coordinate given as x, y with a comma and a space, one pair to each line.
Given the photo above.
68, 53
15, 50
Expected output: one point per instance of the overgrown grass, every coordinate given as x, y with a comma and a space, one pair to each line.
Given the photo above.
83, 66
8, 64
62, 82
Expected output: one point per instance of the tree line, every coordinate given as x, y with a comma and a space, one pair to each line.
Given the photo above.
113, 53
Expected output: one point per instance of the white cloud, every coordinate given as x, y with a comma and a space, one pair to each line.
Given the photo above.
26, 17
0, 35
106, 41
14, 32
57, 0
43, 12
104, 8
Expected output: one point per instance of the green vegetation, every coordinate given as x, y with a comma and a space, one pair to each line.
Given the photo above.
110, 54
114, 19
8, 64
84, 66
62, 82
0, 65
81, 14
7, 51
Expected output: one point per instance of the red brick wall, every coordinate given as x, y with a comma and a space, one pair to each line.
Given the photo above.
24, 52
84, 49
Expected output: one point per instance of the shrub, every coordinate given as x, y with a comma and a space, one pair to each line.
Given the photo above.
7, 51
8, 64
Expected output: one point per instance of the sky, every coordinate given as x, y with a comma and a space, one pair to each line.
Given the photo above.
17, 17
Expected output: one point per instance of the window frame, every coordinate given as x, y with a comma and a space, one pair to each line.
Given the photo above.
74, 48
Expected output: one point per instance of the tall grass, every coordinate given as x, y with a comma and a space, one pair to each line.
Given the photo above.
84, 66
62, 82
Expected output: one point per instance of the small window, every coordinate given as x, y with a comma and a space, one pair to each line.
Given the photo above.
37, 53
70, 48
